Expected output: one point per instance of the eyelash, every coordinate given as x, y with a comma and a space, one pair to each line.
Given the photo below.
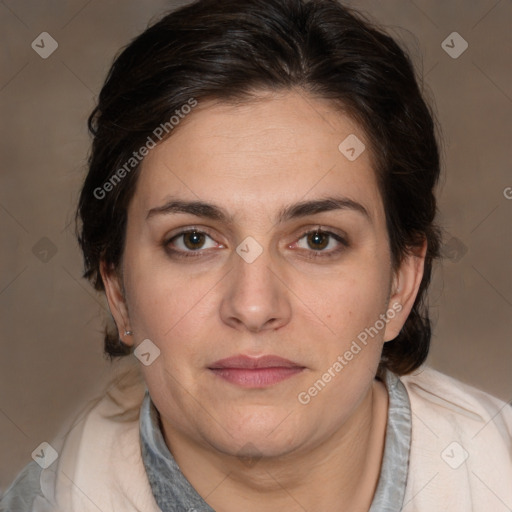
312, 253
343, 244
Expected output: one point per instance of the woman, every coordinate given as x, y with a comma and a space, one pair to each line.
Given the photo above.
260, 213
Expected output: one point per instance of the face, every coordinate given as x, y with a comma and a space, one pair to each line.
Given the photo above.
252, 236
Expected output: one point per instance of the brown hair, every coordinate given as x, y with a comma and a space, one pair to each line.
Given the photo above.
229, 50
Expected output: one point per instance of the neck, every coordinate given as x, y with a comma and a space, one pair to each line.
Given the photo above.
344, 468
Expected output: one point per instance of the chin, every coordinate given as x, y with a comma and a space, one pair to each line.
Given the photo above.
256, 438
255, 448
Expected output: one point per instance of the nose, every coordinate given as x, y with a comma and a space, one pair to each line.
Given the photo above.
256, 297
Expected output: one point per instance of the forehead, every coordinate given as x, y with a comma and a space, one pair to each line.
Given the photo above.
260, 155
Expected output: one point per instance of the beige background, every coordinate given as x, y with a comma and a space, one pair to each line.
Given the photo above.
51, 342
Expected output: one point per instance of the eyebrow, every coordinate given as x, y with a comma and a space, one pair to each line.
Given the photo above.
293, 211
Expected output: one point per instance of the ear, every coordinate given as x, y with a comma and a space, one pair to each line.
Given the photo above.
405, 286
116, 301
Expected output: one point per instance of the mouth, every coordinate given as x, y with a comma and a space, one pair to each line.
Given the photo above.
255, 372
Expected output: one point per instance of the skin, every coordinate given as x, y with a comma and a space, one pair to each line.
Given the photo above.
261, 449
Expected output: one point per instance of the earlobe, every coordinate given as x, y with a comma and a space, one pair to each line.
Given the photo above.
116, 302
406, 283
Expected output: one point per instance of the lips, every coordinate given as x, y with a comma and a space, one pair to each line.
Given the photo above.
255, 372
248, 362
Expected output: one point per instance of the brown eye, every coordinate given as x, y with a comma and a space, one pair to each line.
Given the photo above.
193, 240
317, 240
320, 243
190, 242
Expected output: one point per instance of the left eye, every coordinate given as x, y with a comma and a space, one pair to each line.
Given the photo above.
192, 241
318, 240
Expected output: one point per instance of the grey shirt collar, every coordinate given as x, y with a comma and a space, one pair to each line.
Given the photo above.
174, 493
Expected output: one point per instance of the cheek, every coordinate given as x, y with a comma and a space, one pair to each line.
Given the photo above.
353, 300
174, 314
154, 305
170, 308
351, 350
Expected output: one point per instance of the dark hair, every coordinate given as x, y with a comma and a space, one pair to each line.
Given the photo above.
232, 49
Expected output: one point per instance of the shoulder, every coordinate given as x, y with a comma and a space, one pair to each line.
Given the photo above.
99, 464
22, 493
461, 446
101, 456
431, 390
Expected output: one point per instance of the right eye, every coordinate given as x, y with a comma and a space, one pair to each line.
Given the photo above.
190, 243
